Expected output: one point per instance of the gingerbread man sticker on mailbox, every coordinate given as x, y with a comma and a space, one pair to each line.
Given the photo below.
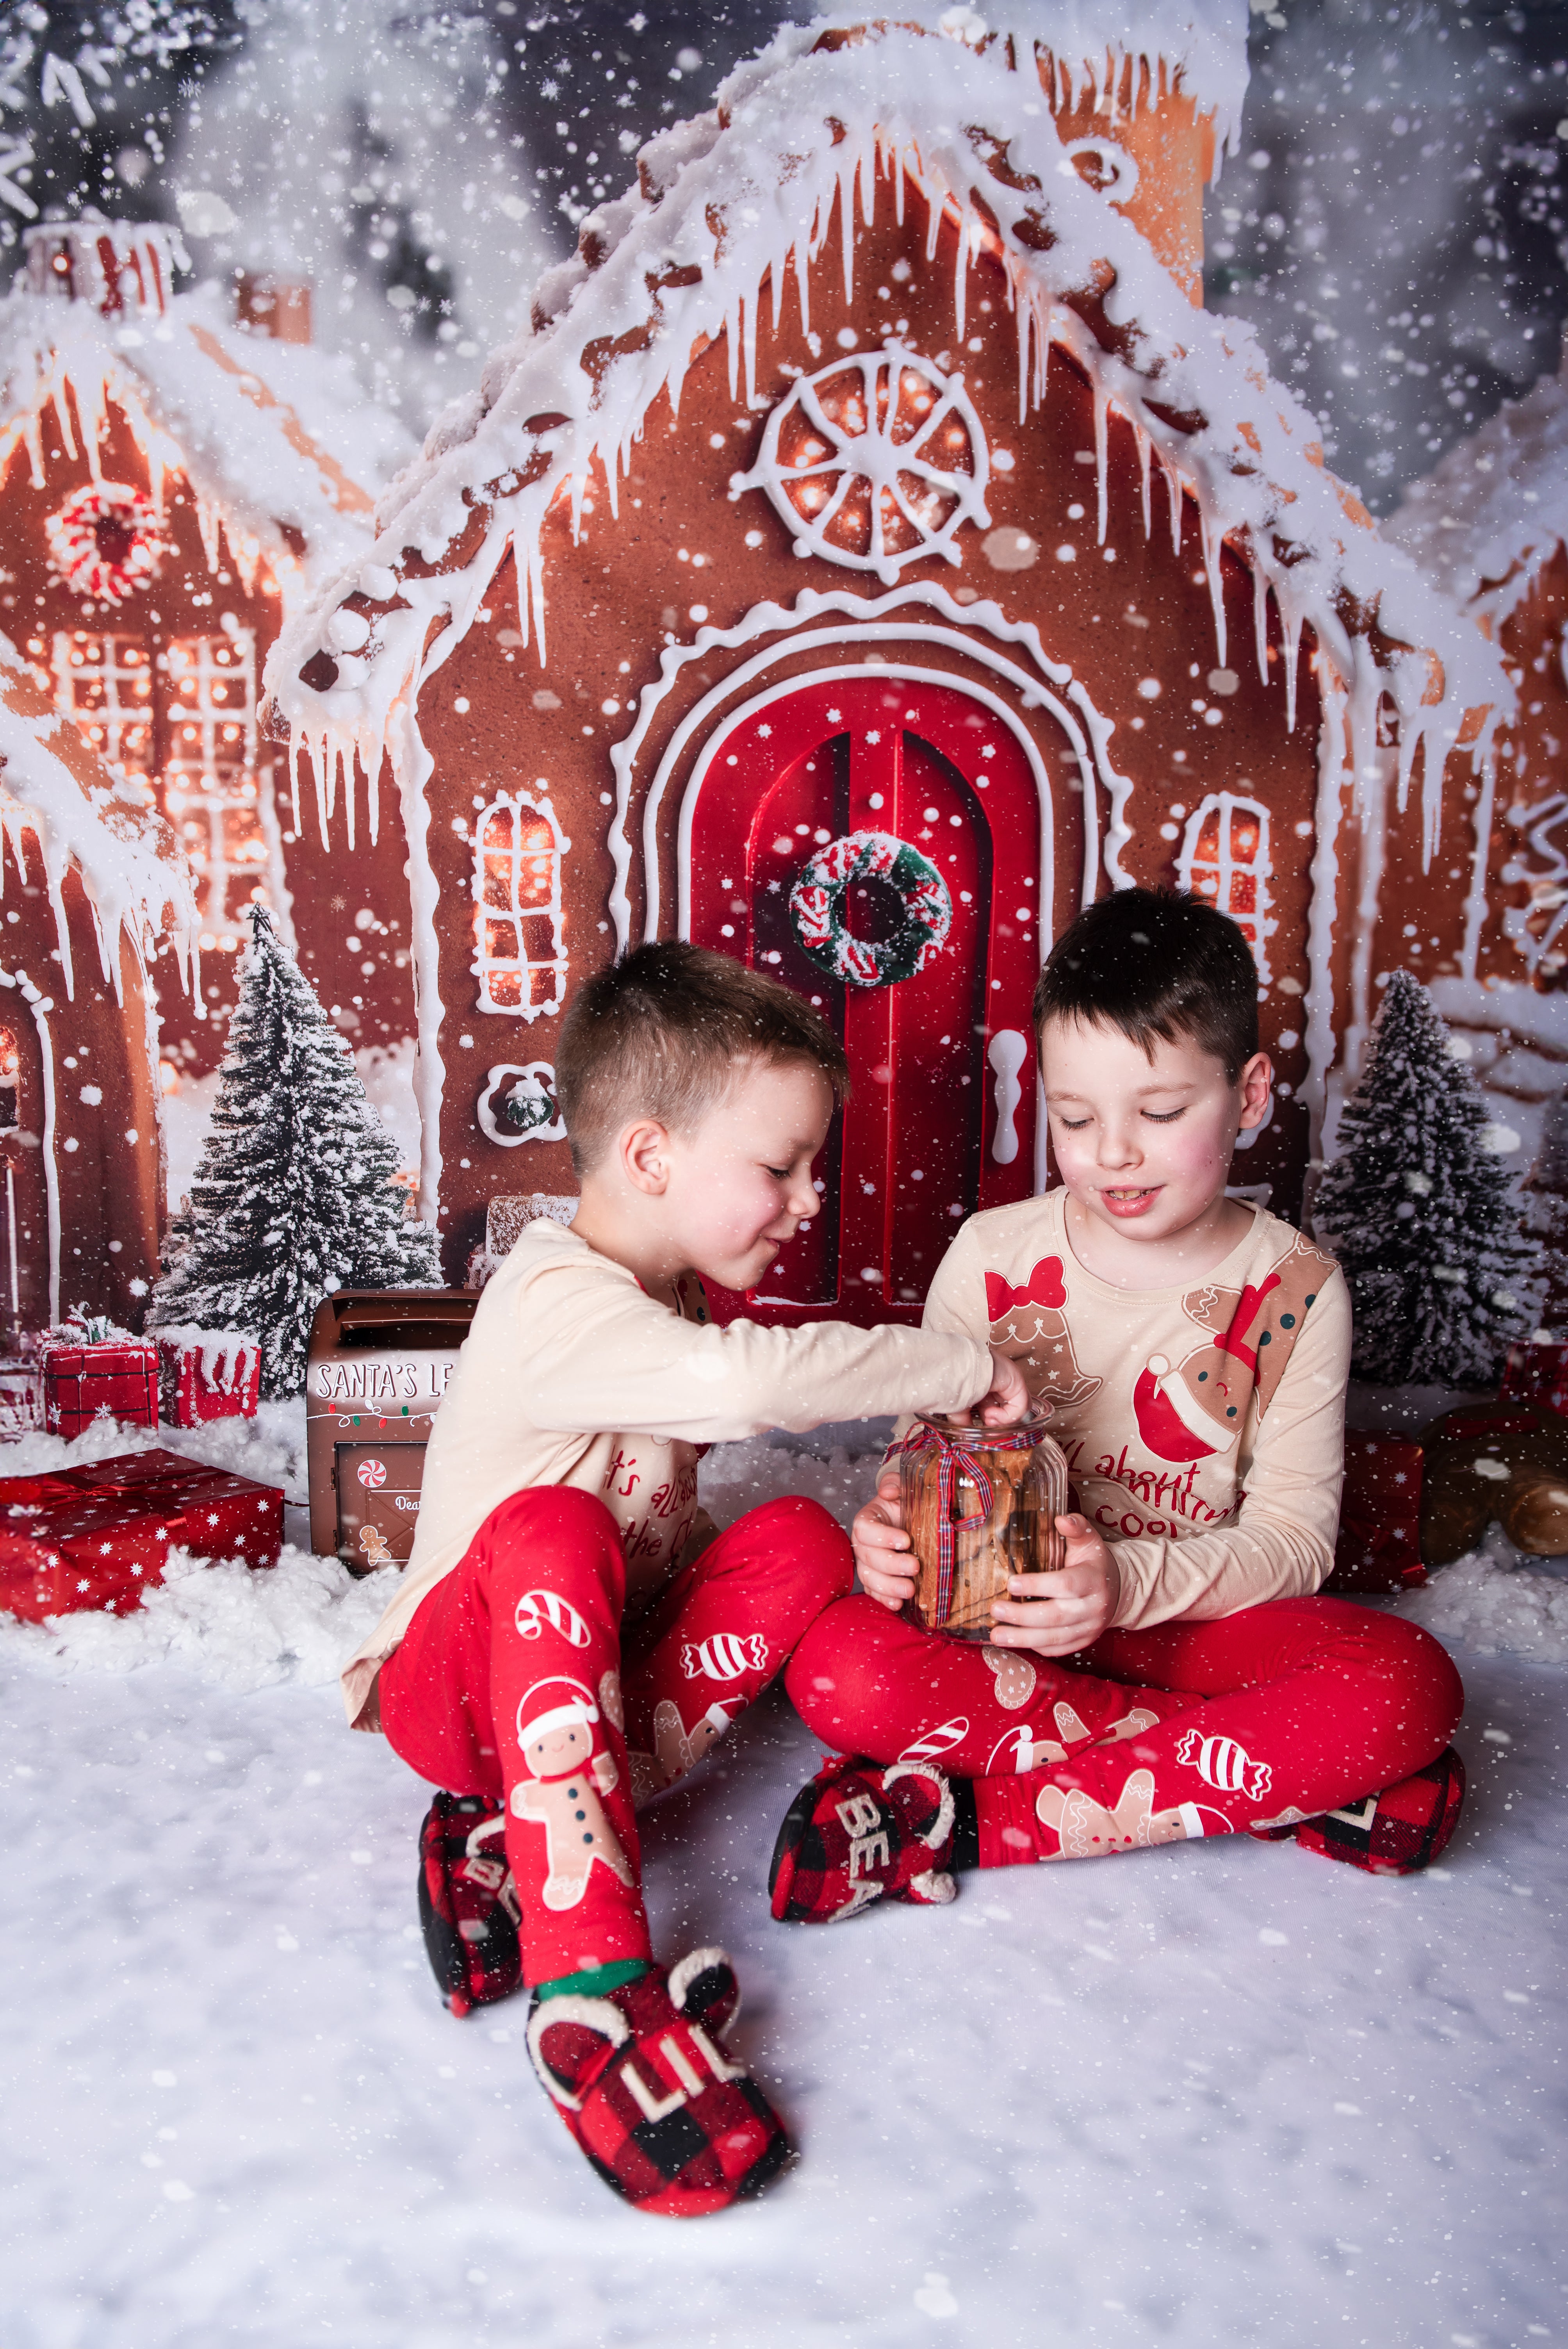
556, 1728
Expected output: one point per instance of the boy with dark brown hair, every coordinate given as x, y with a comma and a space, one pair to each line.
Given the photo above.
1178, 1677
562, 1642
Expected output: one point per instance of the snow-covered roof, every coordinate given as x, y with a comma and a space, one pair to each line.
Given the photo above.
60, 807
276, 439
1485, 520
1197, 45
735, 199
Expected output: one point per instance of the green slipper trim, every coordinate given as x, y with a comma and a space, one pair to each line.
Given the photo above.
595, 1981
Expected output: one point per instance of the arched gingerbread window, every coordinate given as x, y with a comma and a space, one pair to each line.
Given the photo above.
1225, 858
519, 959
10, 1076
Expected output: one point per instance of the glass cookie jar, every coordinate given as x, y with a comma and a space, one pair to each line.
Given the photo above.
980, 1504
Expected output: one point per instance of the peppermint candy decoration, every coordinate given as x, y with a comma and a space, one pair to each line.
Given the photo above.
106, 542
817, 909
373, 1473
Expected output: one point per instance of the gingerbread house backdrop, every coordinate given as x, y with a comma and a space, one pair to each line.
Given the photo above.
91, 884
174, 478
871, 554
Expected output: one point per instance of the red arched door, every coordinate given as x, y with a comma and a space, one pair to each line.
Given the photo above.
942, 1120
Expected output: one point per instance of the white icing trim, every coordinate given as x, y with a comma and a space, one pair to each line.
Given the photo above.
841, 673
41, 1006
773, 618
1322, 904
1372, 846
872, 455
412, 766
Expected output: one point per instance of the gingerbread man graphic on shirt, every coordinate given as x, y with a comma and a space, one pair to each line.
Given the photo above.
1031, 1325
1197, 1407
555, 1726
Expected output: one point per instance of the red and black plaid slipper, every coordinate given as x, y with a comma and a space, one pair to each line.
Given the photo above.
860, 1833
646, 2088
1400, 1830
468, 1907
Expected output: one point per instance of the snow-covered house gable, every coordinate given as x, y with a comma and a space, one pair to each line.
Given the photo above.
1490, 525
90, 884
173, 483
870, 555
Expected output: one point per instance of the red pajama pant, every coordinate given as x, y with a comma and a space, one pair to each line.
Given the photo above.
1261, 1719
516, 1679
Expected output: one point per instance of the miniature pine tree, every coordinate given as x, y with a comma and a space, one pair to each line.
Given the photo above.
1546, 1223
296, 1195
1420, 1212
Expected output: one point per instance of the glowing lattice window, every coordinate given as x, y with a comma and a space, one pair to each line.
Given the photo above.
106, 684
518, 958
211, 792
1225, 858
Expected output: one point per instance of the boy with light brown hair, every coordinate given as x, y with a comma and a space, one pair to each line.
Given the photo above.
1177, 1678
564, 1641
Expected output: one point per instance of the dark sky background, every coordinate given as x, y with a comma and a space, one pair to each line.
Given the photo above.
1394, 226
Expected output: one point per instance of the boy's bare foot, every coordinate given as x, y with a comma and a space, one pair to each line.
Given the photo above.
643, 2083
858, 1832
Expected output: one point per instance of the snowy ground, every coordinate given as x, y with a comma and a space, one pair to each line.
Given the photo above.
1214, 2095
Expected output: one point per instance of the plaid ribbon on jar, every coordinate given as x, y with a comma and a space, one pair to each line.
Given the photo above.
956, 1461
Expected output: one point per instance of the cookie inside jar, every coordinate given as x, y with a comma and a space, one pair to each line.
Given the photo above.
980, 1504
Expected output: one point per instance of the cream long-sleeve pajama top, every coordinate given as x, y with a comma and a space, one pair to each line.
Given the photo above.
571, 1374
1203, 1425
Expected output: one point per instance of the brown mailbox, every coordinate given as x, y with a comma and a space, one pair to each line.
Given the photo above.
378, 1365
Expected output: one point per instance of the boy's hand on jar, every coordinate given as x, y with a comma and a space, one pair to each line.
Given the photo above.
1007, 1399
1057, 1614
883, 1558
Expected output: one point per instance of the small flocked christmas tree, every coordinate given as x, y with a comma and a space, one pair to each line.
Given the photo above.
297, 1192
1546, 1223
1420, 1212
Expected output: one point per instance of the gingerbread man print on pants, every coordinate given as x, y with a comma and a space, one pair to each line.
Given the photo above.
1085, 1829
555, 1724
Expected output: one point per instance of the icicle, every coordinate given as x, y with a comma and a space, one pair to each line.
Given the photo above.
1318, 1003
898, 191
1485, 765
960, 277
1101, 454
1145, 456
1174, 498
847, 170
1212, 533
748, 317
62, 406
209, 526
1290, 629
1024, 322
1261, 617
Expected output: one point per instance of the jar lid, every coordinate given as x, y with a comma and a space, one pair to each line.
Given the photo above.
1012, 1435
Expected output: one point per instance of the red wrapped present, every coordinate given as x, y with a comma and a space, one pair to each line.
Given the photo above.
1379, 1543
209, 1374
1539, 1374
95, 1535
90, 1368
